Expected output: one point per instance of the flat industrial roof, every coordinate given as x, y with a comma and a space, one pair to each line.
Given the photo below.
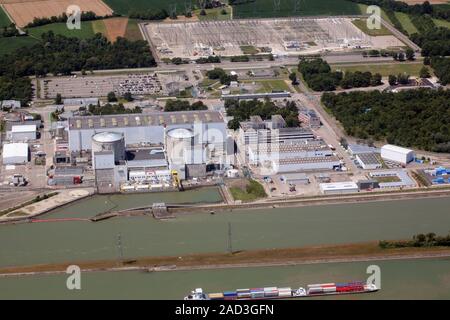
368, 158
348, 185
15, 150
24, 128
144, 119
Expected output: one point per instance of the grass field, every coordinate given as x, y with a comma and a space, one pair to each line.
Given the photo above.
8, 45
4, 20
413, 69
441, 23
406, 23
266, 8
99, 27
124, 7
85, 32
214, 14
362, 25
271, 85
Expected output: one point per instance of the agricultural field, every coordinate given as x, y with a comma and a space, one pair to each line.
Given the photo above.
4, 20
24, 11
214, 14
362, 25
8, 45
413, 69
124, 7
133, 33
85, 32
287, 8
406, 22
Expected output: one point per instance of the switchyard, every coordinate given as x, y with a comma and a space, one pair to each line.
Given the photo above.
278, 36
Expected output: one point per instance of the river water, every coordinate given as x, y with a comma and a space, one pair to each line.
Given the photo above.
48, 242
252, 229
418, 279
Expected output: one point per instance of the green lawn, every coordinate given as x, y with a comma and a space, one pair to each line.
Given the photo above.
253, 191
442, 23
266, 8
214, 14
8, 45
406, 23
249, 50
98, 26
85, 32
271, 85
413, 69
4, 20
124, 7
362, 25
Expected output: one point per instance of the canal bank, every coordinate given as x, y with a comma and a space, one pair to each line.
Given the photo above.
402, 279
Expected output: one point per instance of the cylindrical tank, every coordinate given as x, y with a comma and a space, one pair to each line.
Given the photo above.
109, 141
179, 141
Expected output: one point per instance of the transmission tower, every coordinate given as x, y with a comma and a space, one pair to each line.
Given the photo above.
230, 239
119, 248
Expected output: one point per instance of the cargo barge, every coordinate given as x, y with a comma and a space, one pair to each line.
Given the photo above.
270, 293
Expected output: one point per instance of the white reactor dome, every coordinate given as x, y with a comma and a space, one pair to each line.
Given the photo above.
180, 133
107, 137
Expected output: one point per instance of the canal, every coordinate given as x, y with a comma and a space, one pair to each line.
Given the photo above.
35, 243
402, 279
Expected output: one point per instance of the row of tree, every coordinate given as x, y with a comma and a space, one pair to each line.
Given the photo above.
242, 110
319, 77
85, 16
111, 109
413, 118
419, 240
9, 31
184, 105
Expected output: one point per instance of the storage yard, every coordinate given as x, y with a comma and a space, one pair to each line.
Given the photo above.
279, 36
24, 11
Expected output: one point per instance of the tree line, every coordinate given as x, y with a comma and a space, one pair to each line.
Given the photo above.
220, 74
413, 118
109, 109
243, 110
318, 75
418, 241
85, 16
184, 105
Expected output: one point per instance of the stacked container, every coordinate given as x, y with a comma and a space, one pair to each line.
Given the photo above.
257, 293
243, 293
230, 295
325, 288
285, 292
271, 292
216, 296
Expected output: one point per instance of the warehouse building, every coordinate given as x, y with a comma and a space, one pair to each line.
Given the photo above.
15, 153
369, 161
303, 164
398, 179
339, 187
20, 133
397, 154
355, 149
309, 118
368, 184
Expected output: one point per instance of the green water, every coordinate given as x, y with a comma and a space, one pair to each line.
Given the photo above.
418, 279
254, 229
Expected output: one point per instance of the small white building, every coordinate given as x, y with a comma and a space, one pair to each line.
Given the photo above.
23, 132
15, 153
397, 154
10, 104
339, 187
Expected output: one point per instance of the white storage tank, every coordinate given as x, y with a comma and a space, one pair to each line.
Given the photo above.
178, 142
109, 141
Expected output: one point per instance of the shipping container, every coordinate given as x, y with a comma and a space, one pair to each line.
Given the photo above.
216, 296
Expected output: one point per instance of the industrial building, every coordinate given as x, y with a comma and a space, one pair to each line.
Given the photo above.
397, 154
15, 153
10, 104
339, 187
309, 118
369, 161
303, 164
368, 184
355, 149
149, 129
82, 102
25, 132
399, 179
